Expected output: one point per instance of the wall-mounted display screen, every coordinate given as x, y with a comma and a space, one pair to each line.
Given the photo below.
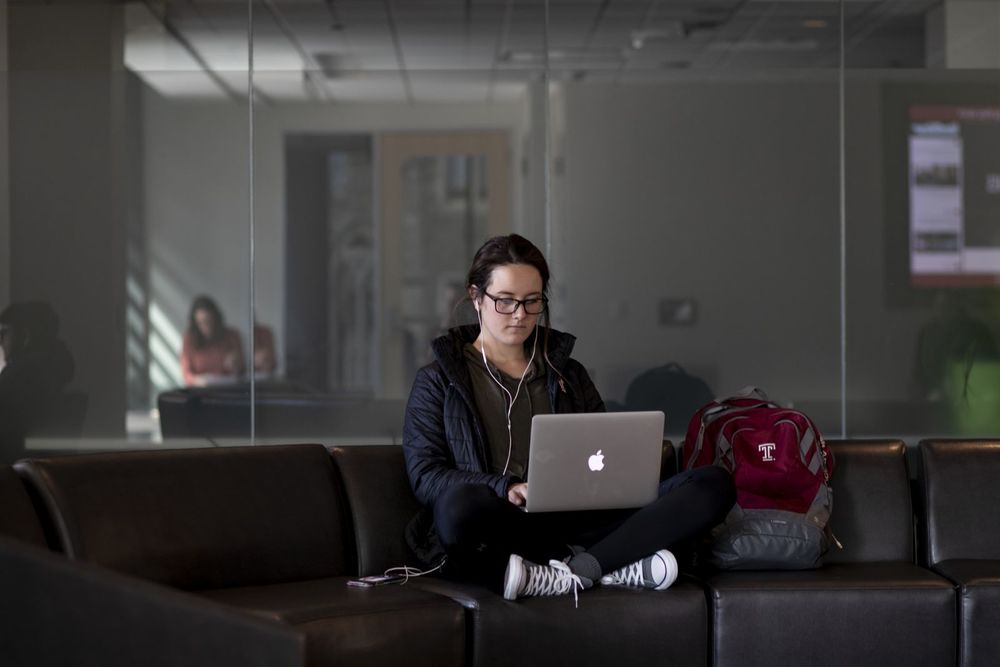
954, 196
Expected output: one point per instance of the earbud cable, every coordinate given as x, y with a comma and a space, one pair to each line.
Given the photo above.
517, 392
409, 571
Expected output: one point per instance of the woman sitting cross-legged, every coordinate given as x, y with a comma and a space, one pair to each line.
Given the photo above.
465, 439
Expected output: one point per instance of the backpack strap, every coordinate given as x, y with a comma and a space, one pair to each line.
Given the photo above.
724, 445
706, 416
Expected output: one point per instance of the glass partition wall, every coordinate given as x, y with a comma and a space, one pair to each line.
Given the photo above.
697, 180
109, 231
791, 195
921, 158
401, 136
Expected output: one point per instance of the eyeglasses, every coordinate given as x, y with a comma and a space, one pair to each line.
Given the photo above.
507, 306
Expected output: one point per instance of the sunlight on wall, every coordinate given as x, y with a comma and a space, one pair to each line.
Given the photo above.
165, 348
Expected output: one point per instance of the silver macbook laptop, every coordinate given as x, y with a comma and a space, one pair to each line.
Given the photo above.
600, 460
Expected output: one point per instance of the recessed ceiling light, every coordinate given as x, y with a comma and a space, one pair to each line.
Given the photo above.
665, 31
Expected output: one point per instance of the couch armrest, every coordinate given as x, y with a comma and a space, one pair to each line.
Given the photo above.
17, 515
60, 612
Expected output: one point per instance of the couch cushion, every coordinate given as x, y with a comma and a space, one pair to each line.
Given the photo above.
381, 504
610, 626
962, 499
17, 516
979, 609
971, 572
200, 518
387, 625
58, 612
850, 614
872, 509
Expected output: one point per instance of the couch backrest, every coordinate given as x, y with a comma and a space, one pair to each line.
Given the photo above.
668, 461
18, 519
381, 504
200, 518
962, 499
872, 509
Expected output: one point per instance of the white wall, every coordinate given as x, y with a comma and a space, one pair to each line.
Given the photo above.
723, 193
728, 194
196, 187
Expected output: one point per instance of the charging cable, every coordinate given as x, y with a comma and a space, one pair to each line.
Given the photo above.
408, 571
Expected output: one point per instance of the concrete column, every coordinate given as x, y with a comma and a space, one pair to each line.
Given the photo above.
532, 168
66, 111
4, 166
964, 34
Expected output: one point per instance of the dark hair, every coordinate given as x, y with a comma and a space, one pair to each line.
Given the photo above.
511, 249
205, 303
500, 250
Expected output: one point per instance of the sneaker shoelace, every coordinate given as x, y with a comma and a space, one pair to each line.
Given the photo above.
556, 579
630, 575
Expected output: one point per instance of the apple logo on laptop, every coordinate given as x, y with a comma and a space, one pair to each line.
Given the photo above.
596, 461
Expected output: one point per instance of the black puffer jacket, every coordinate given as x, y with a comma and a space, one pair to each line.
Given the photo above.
443, 437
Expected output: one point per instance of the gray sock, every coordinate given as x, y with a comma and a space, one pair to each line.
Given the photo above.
585, 565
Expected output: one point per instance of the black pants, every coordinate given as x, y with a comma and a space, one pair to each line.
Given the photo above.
480, 530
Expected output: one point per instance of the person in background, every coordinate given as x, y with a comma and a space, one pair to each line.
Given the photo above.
211, 353
465, 440
264, 359
38, 366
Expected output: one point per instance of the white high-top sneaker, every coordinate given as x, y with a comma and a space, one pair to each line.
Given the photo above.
526, 579
656, 572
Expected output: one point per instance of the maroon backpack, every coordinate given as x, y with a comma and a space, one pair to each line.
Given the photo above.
781, 466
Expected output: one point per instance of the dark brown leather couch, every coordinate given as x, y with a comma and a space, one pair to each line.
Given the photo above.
961, 481
868, 605
276, 531
56, 612
610, 626
18, 519
262, 529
